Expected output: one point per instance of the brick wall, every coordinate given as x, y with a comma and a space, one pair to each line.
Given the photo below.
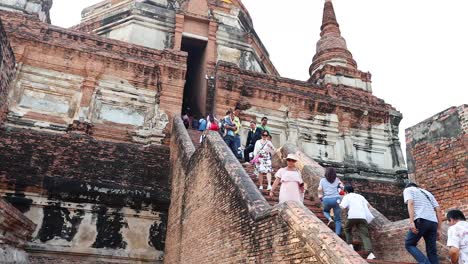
68, 77
217, 214
437, 154
334, 124
15, 231
33, 161
92, 198
7, 71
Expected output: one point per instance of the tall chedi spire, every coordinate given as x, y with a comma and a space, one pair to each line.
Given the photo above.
333, 62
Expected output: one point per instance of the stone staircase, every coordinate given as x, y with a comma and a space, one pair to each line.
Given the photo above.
312, 203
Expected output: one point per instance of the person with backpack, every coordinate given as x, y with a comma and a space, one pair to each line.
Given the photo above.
229, 128
425, 216
359, 216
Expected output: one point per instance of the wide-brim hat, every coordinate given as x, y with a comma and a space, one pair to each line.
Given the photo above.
292, 157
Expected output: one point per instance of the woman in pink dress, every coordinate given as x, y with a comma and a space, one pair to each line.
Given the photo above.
292, 186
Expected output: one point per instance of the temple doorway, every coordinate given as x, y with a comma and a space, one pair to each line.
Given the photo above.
194, 99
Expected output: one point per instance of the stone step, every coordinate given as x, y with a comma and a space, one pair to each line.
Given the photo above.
195, 136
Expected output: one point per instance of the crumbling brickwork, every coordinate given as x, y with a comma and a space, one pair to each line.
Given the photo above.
7, 71
87, 195
15, 232
437, 154
346, 128
61, 164
214, 199
125, 92
83, 149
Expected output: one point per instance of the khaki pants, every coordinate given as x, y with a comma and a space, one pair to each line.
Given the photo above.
362, 229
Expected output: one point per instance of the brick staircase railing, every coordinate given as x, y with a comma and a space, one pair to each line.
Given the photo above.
218, 215
387, 236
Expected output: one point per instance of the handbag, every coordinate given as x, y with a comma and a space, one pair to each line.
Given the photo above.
256, 159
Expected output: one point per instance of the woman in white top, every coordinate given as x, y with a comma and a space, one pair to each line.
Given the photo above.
264, 149
292, 185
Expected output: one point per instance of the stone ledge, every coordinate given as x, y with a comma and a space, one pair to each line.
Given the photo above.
23, 27
16, 228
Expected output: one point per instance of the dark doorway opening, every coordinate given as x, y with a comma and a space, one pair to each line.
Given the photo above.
194, 100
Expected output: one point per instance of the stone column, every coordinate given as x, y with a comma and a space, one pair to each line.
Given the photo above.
349, 157
93, 71
211, 57
398, 160
292, 132
179, 29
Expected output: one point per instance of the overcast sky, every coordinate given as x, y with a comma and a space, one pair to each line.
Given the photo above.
416, 50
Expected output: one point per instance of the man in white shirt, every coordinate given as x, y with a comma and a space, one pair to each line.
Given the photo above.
425, 216
457, 239
358, 208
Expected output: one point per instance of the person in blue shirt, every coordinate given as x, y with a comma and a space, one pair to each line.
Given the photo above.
230, 127
202, 124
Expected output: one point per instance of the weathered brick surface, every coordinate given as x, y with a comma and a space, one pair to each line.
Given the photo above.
7, 71
305, 100
62, 55
15, 231
437, 153
361, 120
63, 165
91, 197
214, 199
89, 187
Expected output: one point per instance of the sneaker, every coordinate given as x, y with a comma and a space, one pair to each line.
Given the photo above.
269, 188
330, 222
260, 188
371, 256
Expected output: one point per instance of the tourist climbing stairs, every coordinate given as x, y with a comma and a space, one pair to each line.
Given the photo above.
312, 203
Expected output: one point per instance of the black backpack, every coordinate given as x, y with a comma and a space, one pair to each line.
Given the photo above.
222, 129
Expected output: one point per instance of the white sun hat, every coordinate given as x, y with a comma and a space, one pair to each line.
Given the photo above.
292, 157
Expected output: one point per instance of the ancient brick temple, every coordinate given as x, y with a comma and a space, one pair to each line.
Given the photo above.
93, 152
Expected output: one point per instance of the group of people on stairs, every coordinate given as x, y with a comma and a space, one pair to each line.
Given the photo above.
424, 211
